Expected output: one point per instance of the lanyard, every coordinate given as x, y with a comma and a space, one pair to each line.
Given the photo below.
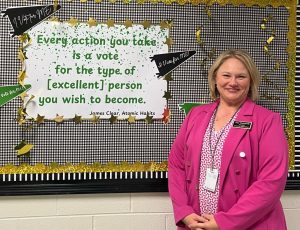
212, 153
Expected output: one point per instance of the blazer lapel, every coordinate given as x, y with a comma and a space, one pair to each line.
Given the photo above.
200, 127
234, 137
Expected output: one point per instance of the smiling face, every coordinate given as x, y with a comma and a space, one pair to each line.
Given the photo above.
233, 82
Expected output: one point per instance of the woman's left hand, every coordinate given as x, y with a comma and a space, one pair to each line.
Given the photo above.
211, 224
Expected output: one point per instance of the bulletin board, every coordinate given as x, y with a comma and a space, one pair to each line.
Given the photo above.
96, 91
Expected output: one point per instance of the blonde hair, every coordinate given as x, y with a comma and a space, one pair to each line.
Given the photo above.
246, 59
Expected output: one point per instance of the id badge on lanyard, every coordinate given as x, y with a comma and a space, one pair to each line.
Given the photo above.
211, 179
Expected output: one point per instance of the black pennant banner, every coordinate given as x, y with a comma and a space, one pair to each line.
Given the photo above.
25, 17
169, 61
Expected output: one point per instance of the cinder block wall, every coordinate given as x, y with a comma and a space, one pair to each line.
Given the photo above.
134, 211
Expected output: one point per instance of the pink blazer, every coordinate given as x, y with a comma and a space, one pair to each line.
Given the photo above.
250, 186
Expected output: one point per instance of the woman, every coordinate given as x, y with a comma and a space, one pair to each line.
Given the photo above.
228, 164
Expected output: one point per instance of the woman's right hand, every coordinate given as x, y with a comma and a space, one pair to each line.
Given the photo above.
192, 219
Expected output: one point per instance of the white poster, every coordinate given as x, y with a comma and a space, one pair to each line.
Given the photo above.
96, 70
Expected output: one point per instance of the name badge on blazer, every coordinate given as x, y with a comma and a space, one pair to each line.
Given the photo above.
242, 124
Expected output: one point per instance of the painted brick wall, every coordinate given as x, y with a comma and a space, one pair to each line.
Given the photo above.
136, 211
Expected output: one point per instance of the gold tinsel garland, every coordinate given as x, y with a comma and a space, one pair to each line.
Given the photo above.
291, 64
261, 3
83, 167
